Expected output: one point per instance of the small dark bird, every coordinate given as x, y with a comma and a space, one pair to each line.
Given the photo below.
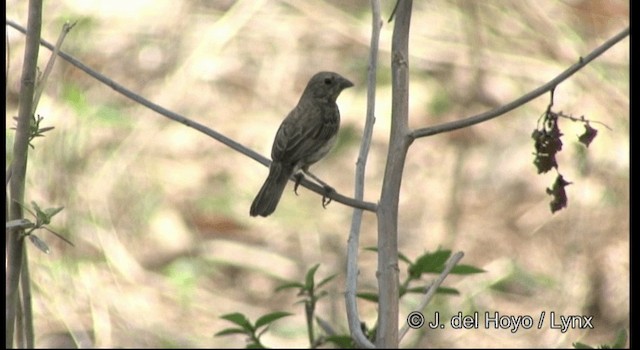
304, 137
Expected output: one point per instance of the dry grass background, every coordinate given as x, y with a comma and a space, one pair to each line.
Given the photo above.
159, 212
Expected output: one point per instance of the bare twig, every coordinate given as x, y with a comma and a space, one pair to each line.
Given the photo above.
19, 224
399, 141
15, 244
356, 219
462, 123
52, 60
199, 127
393, 12
431, 290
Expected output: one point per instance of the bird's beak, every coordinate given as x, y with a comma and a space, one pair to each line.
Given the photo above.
345, 83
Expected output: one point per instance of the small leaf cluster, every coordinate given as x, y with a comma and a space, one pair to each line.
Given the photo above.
310, 292
547, 143
253, 331
34, 128
427, 263
43, 218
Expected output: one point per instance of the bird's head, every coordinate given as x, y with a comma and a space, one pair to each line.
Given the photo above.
327, 85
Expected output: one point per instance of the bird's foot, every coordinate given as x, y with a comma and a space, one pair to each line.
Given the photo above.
325, 199
298, 177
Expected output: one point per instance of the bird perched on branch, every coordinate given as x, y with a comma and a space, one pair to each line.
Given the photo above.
305, 136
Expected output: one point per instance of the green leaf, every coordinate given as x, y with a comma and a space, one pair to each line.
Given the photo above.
45, 129
51, 212
578, 345
239, 319
229, 331
466, 270
40, 244
309, 283
290, 285
268, 318
41, 217
404, 258
321, 294
429, 263
368, 296
324, 281
447, 290
440, 290
415, 290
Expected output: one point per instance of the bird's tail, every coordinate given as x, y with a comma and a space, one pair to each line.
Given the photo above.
267, 199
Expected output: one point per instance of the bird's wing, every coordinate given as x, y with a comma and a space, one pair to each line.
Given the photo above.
305, 130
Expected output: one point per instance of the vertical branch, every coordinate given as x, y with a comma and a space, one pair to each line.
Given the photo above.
27, 309
400, 139
356, 220
15, 243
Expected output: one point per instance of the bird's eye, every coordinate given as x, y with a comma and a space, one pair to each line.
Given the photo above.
327, 81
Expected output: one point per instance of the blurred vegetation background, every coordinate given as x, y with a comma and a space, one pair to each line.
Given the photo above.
159, 213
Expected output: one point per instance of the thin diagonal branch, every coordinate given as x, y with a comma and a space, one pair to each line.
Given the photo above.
199, 127
431, 290
42, 84
462, 123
